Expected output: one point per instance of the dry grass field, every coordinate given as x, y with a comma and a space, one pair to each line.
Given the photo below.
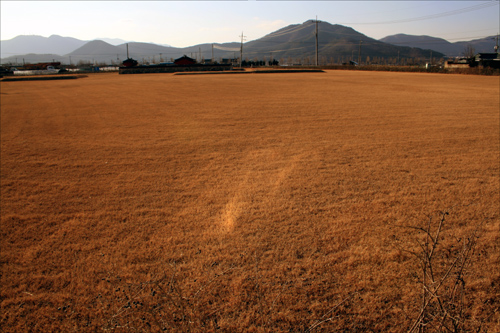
291, 202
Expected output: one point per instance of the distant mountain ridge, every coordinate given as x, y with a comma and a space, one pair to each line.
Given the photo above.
55, 44
297, 41
39, 45
441, 45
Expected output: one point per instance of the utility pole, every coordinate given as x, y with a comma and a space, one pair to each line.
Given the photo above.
212, 53
241, 48
316, 41
161, 60
359, 52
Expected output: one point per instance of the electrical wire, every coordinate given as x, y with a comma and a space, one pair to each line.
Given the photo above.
432, 16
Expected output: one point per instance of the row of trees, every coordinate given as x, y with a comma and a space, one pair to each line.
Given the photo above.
256, 62
332, 61
306, 61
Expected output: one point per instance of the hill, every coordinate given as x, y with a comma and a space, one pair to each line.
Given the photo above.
334, 41
97, 51
441, 45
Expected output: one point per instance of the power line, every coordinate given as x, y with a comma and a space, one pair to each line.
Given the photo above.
432, 16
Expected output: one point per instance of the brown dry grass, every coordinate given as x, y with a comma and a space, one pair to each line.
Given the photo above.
241, 202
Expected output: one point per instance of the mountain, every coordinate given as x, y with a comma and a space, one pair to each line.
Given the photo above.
424, 42
441, 45
97, 51
335, 42
483, 45
294, 43
37, 44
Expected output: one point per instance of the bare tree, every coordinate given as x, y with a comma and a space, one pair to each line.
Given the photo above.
469, 51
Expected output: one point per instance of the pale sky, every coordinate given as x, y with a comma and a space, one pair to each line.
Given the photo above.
186, 23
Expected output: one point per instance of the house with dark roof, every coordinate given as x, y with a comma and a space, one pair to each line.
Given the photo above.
184, 60
487, 60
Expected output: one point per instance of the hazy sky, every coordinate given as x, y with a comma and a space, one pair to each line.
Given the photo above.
185, 23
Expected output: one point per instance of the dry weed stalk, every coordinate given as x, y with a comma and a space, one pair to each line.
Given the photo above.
160, 304
329, 315
443, 279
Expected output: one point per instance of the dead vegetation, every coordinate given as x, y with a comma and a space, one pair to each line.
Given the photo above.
447, 266
256, 203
